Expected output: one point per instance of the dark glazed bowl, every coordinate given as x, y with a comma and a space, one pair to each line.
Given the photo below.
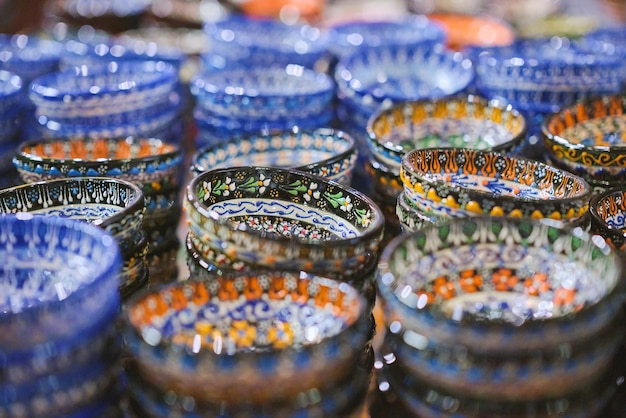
607, 211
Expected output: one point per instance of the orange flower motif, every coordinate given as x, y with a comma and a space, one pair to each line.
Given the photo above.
503, 279
563, 297
281, 335
444, 288
470, 281
242, 333
537, 284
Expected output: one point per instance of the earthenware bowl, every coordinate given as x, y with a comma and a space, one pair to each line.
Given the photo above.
467, 122
29, 56
347, 37
501, 286
586, 138
264, 92
608, 216
375, 76
56, 272
260, 340
284, 219
259, 42
324, 152
96, 90
463, 182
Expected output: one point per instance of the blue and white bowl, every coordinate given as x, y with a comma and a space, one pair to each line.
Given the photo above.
29, 56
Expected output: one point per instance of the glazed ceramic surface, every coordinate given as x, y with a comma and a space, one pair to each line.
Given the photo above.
55, 272
588, 138
410, 217
280, 217
295, 331
95, 90
468, 122
11, 88
29, 56
264, 92
608, 216
323, 152
501, 285
386, 181
464, 182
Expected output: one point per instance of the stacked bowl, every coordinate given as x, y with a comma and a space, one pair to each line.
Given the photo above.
114, 205
461, 121
29, 56
324, 152
153, 165
501, 318
607, 212
11, 108
243, 101
271, 344
248, 218
59, 280
540, 76
110, 99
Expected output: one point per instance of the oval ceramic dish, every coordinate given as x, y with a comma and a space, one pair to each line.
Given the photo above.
252, 332
324, 152
284, 219
588, 138
467, 122
608, 216
95, 90
264, 92
500, 286
463, 182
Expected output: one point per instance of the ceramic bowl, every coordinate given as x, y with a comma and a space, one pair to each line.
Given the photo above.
463, 182
293, 331
284, 218
608, 216
267, 41
410, 217
114, 205
467, 122
385, 181
375, 76
102, 89
11, 90
264, 92
501, 286
345, 38
59, 279
148, 162
324, 152
29, 56
586, 138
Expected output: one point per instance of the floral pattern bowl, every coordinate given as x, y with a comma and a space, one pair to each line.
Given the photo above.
410, 217
607, 212
324, 152
464, 182
283, 218
467, 122
503, 294
269, 335
587, 138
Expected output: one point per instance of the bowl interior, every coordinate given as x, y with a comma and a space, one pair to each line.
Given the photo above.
501, 271
248, 313
610, 208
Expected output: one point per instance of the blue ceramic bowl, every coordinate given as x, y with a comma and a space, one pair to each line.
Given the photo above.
11, 90
29, 56
270, 93
269, 335
103, 89
375, 76
60, 277
263, 42
346, 38
323, 152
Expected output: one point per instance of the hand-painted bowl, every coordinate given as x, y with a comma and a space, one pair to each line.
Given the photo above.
346, 38
466, 122
501, 286
386, 181
375, 76
608, 216
269, 335
282, 218
261, 42
264, 92
587, 138
463, 182
410, 217
324, 152
29, 56
59, 279
102, 89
